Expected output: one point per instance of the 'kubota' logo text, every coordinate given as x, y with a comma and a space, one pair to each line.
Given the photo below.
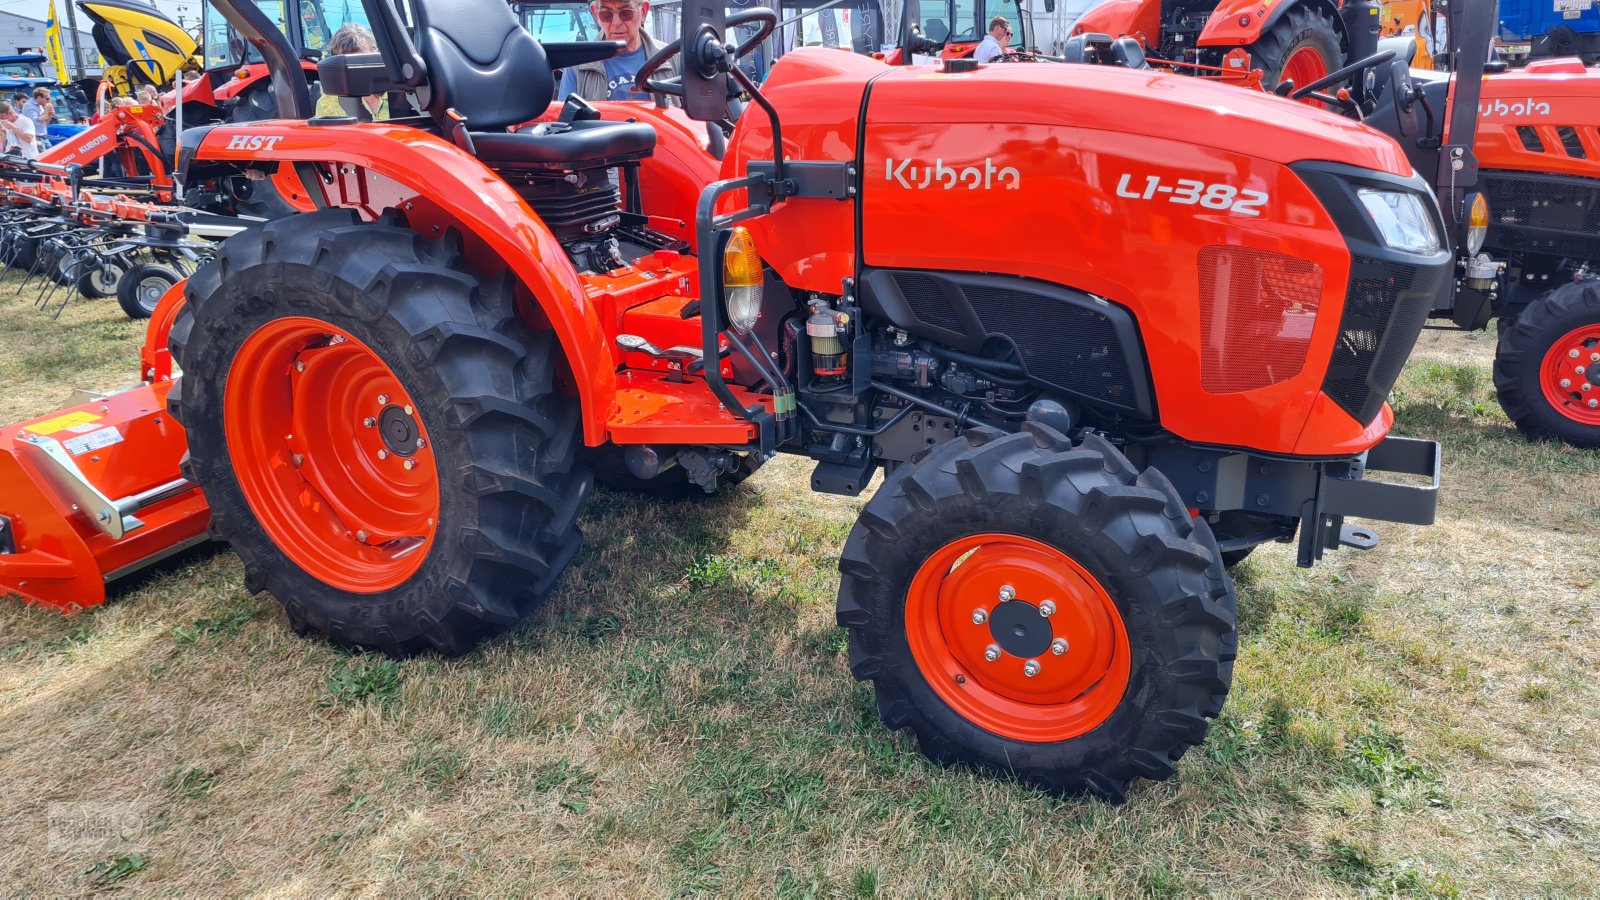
83, 148
1528, 107
253, 142
921, 176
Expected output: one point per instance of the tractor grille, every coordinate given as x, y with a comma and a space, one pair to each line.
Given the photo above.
1384, 311
1556, 215
1257, 309
927, 300
1069, 346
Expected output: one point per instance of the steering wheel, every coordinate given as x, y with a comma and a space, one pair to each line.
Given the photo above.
1313, 90
673, 87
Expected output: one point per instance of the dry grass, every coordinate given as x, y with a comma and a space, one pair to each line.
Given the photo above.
1419, 719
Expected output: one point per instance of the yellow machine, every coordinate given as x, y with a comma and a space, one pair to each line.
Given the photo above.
140, 45
1416, 19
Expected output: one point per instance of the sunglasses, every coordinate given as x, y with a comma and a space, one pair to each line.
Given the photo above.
626, 14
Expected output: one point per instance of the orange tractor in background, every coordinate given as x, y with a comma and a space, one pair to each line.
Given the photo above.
392, 407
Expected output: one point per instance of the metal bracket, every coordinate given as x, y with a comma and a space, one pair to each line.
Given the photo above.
113, 518
812, 180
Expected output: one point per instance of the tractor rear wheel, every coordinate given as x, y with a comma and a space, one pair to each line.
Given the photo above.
1547, 366
379, 436
139, 291
1040, 609
1302, 46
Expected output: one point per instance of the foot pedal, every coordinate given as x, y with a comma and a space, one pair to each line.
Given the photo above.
1357, 537
847, 478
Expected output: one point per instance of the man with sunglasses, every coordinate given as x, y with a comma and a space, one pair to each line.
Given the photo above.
993, 45
612, 79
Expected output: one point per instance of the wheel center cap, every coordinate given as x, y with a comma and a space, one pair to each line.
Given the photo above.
1593, 373
399, 431
1020, 630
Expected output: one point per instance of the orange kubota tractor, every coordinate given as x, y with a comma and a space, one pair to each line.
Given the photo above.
1515, 157
391, 404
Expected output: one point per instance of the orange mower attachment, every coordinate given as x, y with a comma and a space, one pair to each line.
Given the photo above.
93, 491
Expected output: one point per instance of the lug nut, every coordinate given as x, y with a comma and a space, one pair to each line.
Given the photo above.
421, 443
409, 410
1587, 386
1593, 403
411, 464
361, 536
1047, 608
1058, 646
383, 454
383, 399
1031, 668
1573, 353
1578, 369
370, 422
1566, 382
980, 616
1007, 593
992, 654
1594, 357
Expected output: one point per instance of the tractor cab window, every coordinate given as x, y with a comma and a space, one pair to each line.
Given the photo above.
856, 26
21, 70
956, 20
559, 22
1010, 10
224, 46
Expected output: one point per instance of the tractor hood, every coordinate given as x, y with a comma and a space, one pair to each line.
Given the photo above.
1145, 103
1545, 118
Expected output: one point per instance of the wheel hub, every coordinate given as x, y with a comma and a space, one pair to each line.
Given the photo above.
399, 430
1570, 375
1020, 630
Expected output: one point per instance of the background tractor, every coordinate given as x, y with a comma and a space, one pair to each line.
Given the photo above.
389, 404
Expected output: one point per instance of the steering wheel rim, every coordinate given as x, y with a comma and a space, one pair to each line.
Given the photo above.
674, 87
1338, 75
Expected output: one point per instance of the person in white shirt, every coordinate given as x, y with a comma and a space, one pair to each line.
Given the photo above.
994, 43
20, 137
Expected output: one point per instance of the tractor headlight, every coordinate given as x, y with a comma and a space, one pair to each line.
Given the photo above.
1402, 218
1477, 224
741, 281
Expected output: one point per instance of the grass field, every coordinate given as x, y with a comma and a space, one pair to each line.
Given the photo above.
1419, 719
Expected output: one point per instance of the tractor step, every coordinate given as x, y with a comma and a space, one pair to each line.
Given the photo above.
651, 408
90, 493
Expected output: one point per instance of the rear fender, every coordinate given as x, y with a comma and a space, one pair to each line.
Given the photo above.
1240, 23
375, 166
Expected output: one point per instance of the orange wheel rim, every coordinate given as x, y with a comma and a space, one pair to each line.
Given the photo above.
1570, 375
977, 626
1304, 66
332, 454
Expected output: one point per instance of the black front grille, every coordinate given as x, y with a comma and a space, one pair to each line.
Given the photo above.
1385, 308
1557, 215
927, 300
1063, 344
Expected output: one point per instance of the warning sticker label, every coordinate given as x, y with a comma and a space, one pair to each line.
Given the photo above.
94, 440
62, 422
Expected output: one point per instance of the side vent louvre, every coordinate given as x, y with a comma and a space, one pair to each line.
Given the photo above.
1257, 311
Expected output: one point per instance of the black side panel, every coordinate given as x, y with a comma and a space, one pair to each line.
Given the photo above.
1074, 342
1556, 215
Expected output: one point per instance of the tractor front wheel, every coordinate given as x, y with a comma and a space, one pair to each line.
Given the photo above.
1302, 46
379, 436
1040, 609
1547, 366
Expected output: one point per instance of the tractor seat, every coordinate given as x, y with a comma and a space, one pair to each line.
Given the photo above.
565, 146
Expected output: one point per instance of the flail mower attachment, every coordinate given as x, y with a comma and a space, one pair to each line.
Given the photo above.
93, 492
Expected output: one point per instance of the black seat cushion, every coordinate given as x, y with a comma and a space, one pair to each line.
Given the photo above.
579, 145
481, 62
